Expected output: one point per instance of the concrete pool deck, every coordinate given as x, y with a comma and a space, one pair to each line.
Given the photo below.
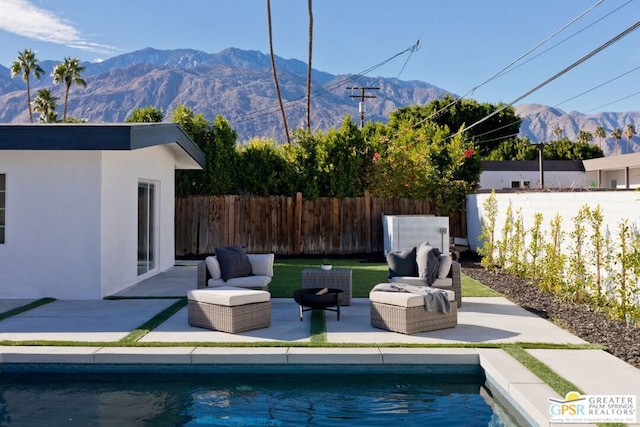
480, 321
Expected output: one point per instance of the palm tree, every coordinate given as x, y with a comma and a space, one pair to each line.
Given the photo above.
310, 7
45, 104
68, 73
25, 64
558, 132
629, 132
585, 137
600, 133
275, 76
617, 134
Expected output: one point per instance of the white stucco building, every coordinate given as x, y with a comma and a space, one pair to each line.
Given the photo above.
620, 172
87, 210
613, 172
526, 174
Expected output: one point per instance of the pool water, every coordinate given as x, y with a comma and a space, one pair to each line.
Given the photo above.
243, 400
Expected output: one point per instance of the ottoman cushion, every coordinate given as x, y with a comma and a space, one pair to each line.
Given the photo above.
228, 296
403, 299
416, 281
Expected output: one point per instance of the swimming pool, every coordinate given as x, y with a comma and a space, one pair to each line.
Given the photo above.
239, 399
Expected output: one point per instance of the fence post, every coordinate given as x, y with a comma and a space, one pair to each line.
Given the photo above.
367, 221
297, 224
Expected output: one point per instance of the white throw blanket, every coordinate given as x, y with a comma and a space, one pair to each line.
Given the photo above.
434, 299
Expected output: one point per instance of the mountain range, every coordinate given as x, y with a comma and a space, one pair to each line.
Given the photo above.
238, 84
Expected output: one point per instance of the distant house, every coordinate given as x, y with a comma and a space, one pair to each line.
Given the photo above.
613, 172
87, 210
526, 174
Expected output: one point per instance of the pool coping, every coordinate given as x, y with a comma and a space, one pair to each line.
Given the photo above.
526, 392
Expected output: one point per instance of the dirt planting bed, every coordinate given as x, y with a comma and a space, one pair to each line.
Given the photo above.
595, 327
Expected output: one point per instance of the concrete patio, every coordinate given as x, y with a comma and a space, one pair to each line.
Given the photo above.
481, 321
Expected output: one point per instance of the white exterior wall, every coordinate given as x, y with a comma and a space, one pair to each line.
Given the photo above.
569, 179
616, 206
121, 172
72, 221
52, 225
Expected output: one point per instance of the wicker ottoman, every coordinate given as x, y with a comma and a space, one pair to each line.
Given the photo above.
405, 313
229, 309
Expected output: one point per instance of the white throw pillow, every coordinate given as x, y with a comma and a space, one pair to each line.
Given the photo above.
261, 264
214, 267
445, 266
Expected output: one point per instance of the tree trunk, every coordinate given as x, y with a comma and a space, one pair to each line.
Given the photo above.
275, 76
309, 65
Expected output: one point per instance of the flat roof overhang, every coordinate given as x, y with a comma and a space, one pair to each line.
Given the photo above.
99, 137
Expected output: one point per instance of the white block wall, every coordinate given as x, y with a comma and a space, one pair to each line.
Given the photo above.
615, 206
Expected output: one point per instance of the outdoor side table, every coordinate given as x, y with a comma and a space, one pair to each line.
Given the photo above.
335, 278
309, 298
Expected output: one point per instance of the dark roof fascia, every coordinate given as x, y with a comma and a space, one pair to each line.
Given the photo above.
97, 137
532, 165
65, 137
163, 133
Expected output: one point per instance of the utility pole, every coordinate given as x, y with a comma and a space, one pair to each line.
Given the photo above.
361, 106
541, 164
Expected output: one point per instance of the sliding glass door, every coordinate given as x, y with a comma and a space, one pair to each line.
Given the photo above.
146, 226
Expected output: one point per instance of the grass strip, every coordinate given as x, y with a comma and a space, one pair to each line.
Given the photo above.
153, 323
318, 334
116, 298
542, 371
559, 384
26, 307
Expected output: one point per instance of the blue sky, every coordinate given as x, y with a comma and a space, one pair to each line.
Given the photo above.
462, 42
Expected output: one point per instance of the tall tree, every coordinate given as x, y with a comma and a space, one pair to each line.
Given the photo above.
487, 135
585, 137
148, 114
68, 73
45, 104
617, 134
310, 7
601, 134
629, 132
275, 75
26, 63
558, 132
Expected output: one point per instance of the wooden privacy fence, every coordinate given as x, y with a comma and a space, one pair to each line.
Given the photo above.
293, 225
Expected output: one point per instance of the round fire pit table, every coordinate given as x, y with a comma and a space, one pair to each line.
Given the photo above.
308, 300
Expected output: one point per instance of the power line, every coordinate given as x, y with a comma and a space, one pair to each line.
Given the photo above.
502, 71
326, 89
597, 87
414, 48
555, 76
564, 27
613, 102
568, 38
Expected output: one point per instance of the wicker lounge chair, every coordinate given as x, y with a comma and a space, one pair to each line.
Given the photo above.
406, 313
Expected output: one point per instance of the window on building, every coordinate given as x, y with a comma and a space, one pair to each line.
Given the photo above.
515, 184
3, 206
146, 226
527, 184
